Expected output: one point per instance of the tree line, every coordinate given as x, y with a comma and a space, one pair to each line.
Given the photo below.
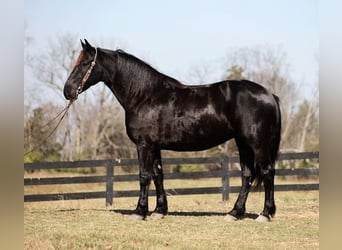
94, 127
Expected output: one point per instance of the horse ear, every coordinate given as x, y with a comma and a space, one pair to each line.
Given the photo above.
87, 44
87, 47
83, 44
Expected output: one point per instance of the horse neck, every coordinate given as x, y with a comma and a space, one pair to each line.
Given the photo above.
133, 81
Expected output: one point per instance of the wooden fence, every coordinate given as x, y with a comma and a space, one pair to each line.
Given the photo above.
109, 178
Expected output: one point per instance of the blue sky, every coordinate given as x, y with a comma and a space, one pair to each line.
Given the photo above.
175, 36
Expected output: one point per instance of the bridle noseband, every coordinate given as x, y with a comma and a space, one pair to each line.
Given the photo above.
87, 75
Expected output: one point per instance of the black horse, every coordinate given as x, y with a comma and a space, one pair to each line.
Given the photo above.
161, 113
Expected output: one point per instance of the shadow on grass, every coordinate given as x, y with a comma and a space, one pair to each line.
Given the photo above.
184, 213
174, 213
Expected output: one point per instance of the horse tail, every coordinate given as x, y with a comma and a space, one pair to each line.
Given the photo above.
274, 144
276, 135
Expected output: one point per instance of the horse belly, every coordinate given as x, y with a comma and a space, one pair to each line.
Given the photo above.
187, 136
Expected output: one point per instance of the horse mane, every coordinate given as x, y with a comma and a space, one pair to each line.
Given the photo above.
147, 76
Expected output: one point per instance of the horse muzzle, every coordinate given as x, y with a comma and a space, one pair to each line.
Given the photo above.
70, 92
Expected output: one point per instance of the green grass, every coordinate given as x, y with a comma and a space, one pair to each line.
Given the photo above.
194, 222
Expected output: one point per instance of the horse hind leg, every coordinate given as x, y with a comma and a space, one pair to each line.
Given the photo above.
247, 176
267, 171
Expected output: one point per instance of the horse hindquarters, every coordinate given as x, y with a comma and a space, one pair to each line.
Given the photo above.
258, 148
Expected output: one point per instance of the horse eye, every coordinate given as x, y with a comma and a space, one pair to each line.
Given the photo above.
85, 62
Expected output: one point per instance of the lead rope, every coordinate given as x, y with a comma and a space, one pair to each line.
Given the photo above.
63, 113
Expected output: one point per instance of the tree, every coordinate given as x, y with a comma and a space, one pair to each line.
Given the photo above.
304, 132
235, 72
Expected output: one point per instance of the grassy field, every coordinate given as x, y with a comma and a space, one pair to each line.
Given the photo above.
194, 222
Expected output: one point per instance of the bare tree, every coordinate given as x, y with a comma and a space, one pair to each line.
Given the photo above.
312, 112
200, 74
304, 131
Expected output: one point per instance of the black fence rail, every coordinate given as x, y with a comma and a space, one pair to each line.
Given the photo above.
225, 189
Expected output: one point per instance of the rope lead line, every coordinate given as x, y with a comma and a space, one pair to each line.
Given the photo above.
63, 112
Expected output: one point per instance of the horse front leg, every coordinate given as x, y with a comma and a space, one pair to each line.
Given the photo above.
158, 179
146, 158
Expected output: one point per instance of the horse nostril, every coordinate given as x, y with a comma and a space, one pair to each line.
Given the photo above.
68, 92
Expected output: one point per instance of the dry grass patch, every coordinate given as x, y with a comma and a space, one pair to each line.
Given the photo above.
194, 222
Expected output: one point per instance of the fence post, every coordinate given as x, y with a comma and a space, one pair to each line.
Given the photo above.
109, 183
225, 178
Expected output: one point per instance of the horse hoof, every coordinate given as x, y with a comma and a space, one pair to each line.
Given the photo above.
136, 217
229, 218
156, 216
262, 219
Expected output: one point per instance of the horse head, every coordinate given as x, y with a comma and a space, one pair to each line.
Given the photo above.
86, 72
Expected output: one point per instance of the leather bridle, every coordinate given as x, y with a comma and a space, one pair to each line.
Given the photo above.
87, 75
